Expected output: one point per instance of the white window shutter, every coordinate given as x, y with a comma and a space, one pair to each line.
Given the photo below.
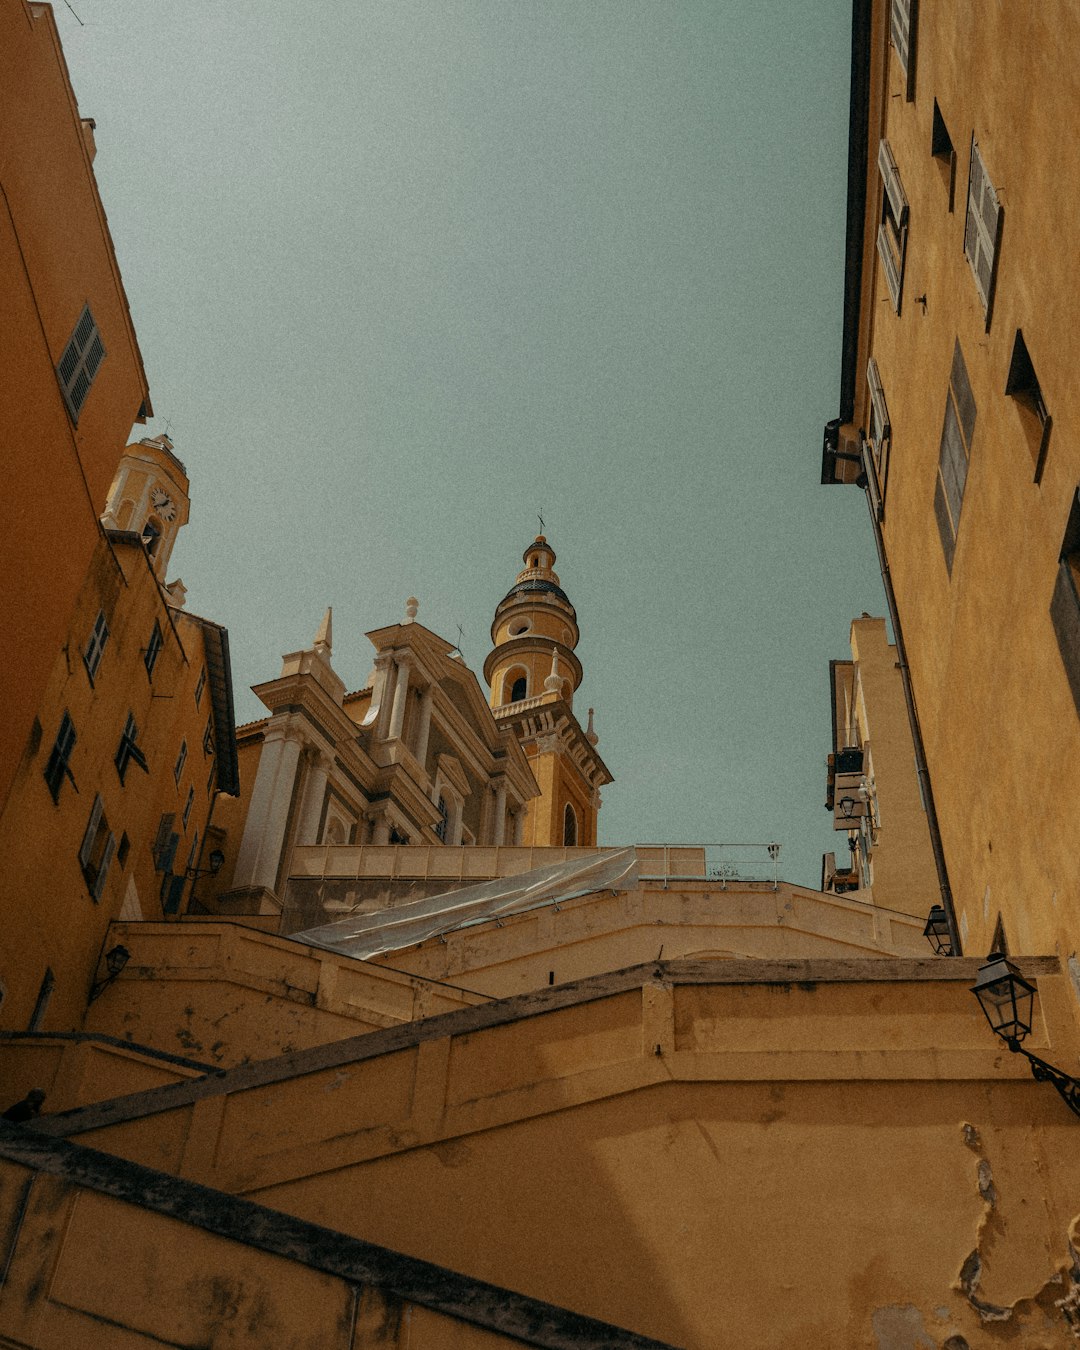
892, 271
890, 177
901, 30
877, 398
981, 227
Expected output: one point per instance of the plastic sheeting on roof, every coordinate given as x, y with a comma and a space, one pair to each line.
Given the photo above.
388, 930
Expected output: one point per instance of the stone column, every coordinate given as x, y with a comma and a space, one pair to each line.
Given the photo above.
318, 767
424, 727
519, 825
500, 812
401, 694
380, 695
380, 827
260, 849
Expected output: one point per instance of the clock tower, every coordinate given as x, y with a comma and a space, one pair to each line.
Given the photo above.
534, 672
149, 496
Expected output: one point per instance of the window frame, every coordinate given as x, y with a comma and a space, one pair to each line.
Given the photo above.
1022, 386
200, 686
951, 482
128, 749
181, 760
942, 149
97, 849
57, 767
903, 32
80, 362
154, 649
892, 232
978, 231
1065, 600
881, 444
95, 646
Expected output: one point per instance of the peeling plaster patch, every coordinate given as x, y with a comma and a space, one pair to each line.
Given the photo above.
956, 1343
968, 1283
971, 1136
987, 1189
900, 1327
1074, 971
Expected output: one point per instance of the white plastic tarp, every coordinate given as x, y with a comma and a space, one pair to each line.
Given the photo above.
388, 930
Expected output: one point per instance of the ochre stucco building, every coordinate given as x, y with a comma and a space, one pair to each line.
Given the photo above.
425, 1065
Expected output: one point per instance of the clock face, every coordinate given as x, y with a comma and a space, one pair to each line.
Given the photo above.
163, 504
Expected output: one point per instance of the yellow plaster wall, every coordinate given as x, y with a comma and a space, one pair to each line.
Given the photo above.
1001, 729
224, 994
51, 263
49, 917
811, 1161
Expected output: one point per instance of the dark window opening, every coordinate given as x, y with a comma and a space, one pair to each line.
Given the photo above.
48, 984
128, 751
569, 826
517, 692
1065, 602
153, 650
1022, 385
57, 768
122, 851
95, 646
941, 147
444, 819
96, 853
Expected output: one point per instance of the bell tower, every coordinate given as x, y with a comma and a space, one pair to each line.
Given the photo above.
533, 673
149, 495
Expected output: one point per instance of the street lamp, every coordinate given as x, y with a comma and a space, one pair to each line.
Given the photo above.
937, 932
116, 958
1007, 1000
216, 861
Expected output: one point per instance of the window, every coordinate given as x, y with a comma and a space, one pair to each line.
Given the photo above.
517, 692
95, 645
879, 437
1022, 385
128, 749
151, 536
153, 650
122, 851
892, 232
1065, 604
211, 782
902, 30
444, 819
56, 770
569, 833
208, 737
200, 687
96, 853
188, 805
941, 147
79, 363
982, 230
181, 759
956, 436
165, 844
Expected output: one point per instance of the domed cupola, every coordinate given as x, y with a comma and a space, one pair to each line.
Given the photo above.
535, 632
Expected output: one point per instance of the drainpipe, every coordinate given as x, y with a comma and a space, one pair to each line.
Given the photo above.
869, 475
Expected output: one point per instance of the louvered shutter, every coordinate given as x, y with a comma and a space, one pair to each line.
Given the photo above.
890, 263
103, 870
982, 227
79, 363
890, 176
86, 852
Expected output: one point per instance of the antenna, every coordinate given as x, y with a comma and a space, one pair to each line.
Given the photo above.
540, 518
460, 634
68, 3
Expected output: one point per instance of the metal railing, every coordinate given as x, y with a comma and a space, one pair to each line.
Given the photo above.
737, 863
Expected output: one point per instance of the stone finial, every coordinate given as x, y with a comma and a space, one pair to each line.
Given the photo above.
553, 683
177, 593
590, 734
324, 638
412, 605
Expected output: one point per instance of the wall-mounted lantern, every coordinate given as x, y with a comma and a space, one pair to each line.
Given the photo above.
1007, 1000
937, 932
116, 958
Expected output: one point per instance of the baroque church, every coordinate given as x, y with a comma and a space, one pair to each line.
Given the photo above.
345, 1029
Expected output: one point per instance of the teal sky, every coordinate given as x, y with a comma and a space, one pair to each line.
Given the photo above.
405, 274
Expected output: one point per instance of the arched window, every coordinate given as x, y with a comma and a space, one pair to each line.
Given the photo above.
517, 692
151, 535
126, 511
569, 829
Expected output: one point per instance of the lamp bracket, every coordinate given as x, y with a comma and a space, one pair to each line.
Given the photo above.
1067, 1088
